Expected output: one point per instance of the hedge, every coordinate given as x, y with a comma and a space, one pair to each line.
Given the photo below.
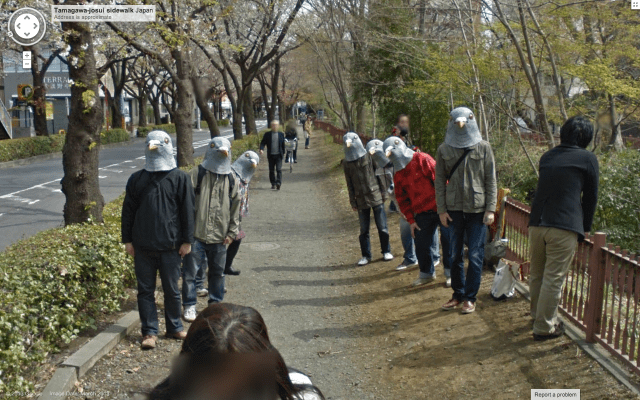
57, 283
143, 131
16, 149
221, 122
54, 285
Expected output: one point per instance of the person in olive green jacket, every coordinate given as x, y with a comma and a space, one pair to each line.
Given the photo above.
217, 221
466, 196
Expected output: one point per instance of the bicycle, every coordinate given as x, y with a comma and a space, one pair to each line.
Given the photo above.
290, 146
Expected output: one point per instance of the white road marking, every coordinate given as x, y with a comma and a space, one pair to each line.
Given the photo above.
102, 176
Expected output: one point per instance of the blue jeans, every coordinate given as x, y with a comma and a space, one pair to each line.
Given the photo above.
428, 224
445, 237
189, 270
407, 242
306, 141
383, 232
466, 288
216, 258
199, 256
147, 266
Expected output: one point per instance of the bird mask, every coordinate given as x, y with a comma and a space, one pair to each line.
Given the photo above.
159, 152
217, 159
353, 148
375, 147
398, 152
462, 130
245, 166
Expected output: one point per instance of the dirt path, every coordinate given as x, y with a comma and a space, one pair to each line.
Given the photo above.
360, 332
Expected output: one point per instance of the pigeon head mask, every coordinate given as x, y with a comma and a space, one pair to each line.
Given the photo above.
217, 159
397, 151
462, 130
245, 165
353, 147
375, 147
159, 152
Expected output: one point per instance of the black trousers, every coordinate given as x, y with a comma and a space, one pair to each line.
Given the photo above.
275, 169
232, 250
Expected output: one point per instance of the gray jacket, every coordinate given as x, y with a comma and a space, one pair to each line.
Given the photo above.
473, 187
364, 187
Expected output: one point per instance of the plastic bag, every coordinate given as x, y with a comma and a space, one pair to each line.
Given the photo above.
504, 281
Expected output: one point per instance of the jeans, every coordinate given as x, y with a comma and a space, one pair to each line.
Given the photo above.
147, 266
445, 237
435, 247
216, 258
275, 169
393, 207
189, 271
428, 224
383, 232
288, 156
200, 258
466, 288
407, 242
306, 141
232, 250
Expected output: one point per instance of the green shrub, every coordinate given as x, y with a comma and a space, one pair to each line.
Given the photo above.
223, 122
54, 285
169, 128
114, 136
15, 149
143, 131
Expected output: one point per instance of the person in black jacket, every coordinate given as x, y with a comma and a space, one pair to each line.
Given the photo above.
157, 230
274, 142
561, 213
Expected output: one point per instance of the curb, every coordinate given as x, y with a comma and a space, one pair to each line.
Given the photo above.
80, 362
597, 352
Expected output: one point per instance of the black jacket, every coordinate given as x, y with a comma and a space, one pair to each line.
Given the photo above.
158, 210
292, 133
567, 190
266, 141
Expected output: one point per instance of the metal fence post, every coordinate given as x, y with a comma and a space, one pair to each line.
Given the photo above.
597, 270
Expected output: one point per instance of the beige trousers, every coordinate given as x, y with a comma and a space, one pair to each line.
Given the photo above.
551, 253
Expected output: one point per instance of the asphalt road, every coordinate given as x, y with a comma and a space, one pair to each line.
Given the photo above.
30, 196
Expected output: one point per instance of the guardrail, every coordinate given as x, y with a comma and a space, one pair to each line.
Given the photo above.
601, 294
337, 133
5, 120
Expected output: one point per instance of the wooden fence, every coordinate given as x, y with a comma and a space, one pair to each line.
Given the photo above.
601, 294
337, 133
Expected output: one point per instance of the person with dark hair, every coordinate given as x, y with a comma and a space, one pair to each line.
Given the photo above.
222, 331
561, 213
291, 135
273, 141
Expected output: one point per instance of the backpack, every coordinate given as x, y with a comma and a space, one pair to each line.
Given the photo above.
202, 172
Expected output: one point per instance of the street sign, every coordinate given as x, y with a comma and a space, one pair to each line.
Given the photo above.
25, 92
49, 109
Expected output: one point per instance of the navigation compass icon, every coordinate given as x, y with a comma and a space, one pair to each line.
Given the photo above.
27, 26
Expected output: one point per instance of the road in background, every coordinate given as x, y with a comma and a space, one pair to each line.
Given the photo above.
30, 196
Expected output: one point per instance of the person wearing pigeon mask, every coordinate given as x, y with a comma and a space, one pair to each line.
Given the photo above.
466, 192
414, 175
157, 230
243, 169
217, 222
365, 195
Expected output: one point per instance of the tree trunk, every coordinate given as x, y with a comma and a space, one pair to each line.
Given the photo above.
38, 103
249, 114
155, 104
80, 184
206, 112
142, 110
615, 142
117, 117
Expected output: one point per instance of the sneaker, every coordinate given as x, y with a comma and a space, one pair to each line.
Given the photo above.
468, 307
423, 281
277, 187
447, 282
189, 313
363, 261
557, 332
405, 265
388, 256
450, 305
202, 292
295, 161
273, 187
148, 342
435, 264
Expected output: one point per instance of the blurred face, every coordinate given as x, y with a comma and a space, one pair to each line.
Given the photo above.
403, 122
275, 126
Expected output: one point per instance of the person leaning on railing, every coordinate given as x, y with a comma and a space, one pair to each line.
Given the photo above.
561, 213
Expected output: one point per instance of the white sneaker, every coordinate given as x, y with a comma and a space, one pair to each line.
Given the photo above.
202, 292
363, 261
388, 256
423, 281
435, 264
189, 313
447, 283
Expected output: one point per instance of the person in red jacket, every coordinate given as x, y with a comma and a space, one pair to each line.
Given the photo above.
414, 175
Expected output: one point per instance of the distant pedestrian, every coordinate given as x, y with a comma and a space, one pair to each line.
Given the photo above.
291, 135
365, 195
561, 213
217, 211
243, 169
157, 230
308, 130
414, 175
466, 193
273, 140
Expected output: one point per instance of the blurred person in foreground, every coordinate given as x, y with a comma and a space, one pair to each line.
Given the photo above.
157, 230
561, 213
227, 355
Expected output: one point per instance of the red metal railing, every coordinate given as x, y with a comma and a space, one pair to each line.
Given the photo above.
601, 294
337, 133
